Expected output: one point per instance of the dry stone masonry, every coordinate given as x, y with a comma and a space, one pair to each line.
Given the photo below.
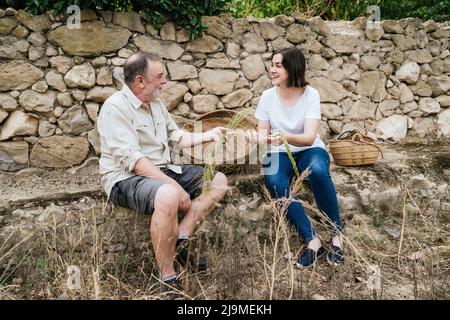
390, 79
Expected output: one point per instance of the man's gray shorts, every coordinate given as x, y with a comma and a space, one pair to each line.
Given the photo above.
138, 193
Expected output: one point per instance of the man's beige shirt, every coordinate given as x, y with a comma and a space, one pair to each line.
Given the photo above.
129, 131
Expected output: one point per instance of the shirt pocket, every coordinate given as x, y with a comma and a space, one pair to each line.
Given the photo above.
161, 131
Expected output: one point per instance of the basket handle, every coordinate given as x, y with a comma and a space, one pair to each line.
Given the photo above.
357, 137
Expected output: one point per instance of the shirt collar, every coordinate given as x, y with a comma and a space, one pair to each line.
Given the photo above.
131, 96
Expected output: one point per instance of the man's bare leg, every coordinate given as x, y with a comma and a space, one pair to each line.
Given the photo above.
164, 228
203, 205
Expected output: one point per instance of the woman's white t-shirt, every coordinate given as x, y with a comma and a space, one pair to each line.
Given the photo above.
290, 119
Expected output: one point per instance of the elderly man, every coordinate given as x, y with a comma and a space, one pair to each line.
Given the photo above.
135, 165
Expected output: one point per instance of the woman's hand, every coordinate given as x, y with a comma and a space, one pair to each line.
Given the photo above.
274, 139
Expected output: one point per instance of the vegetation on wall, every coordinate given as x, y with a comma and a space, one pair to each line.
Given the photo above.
185, 13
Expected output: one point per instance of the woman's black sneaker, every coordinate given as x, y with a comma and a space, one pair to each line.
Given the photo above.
335, 256
309, 257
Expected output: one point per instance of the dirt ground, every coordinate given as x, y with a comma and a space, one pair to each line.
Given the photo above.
396, 246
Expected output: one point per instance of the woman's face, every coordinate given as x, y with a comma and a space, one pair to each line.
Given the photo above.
277, 71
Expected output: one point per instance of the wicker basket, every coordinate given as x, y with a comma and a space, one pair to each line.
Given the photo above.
234, 154
352, 148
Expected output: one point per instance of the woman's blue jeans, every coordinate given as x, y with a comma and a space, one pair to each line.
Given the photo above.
279, 174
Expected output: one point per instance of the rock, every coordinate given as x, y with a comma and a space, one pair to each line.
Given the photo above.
394, 232
409, 72
253, 43
237, 99
424, 127
92, 39
261, 84
374, 31
75, 121
37, 102
223, 63
317, 63
104, 76
253, 67
372, 84
348, 203
18, 75
444, 101
421, 185
269, 30
404, 43
439, 84
296, 33
180, 71
392, 26
218, 82
443, 32
100, 94
94, 139
360, 110
204, 103
34, 23
319, 26
13, 48
40, 86
163, 49
61, 64
242, 83
13, 155
393, 127
20, 32
205, 44
37, 39
129, 20
52, 214
3, 115
351, 72
216, 27
335, 126
82, 76
59, 152
443, 123
35, 53
7, 102
421, 89
240, 26
388, 107
344, 39
172, 94
429, 106
419, 56
330, 91
330, 110
19, 124
7, 25
194, 86
64, 99
405, 93
370, 62
280, 43
92, 110
46, 129
98, 62
55, 81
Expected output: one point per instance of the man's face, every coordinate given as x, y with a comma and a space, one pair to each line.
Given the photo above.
154, 79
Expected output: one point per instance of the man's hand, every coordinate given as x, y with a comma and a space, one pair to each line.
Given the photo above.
215, 134
185, 201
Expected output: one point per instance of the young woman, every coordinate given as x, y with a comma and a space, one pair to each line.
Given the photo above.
292, 107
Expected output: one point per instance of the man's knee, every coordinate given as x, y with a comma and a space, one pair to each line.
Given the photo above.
167, 198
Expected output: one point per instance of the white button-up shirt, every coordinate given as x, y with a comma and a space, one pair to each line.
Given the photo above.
129, 130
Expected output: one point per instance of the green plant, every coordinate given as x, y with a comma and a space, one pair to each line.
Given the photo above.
185, 13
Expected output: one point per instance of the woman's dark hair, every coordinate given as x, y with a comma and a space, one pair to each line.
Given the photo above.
294, 62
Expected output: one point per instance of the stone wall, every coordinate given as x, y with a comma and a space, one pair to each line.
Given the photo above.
389, 79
